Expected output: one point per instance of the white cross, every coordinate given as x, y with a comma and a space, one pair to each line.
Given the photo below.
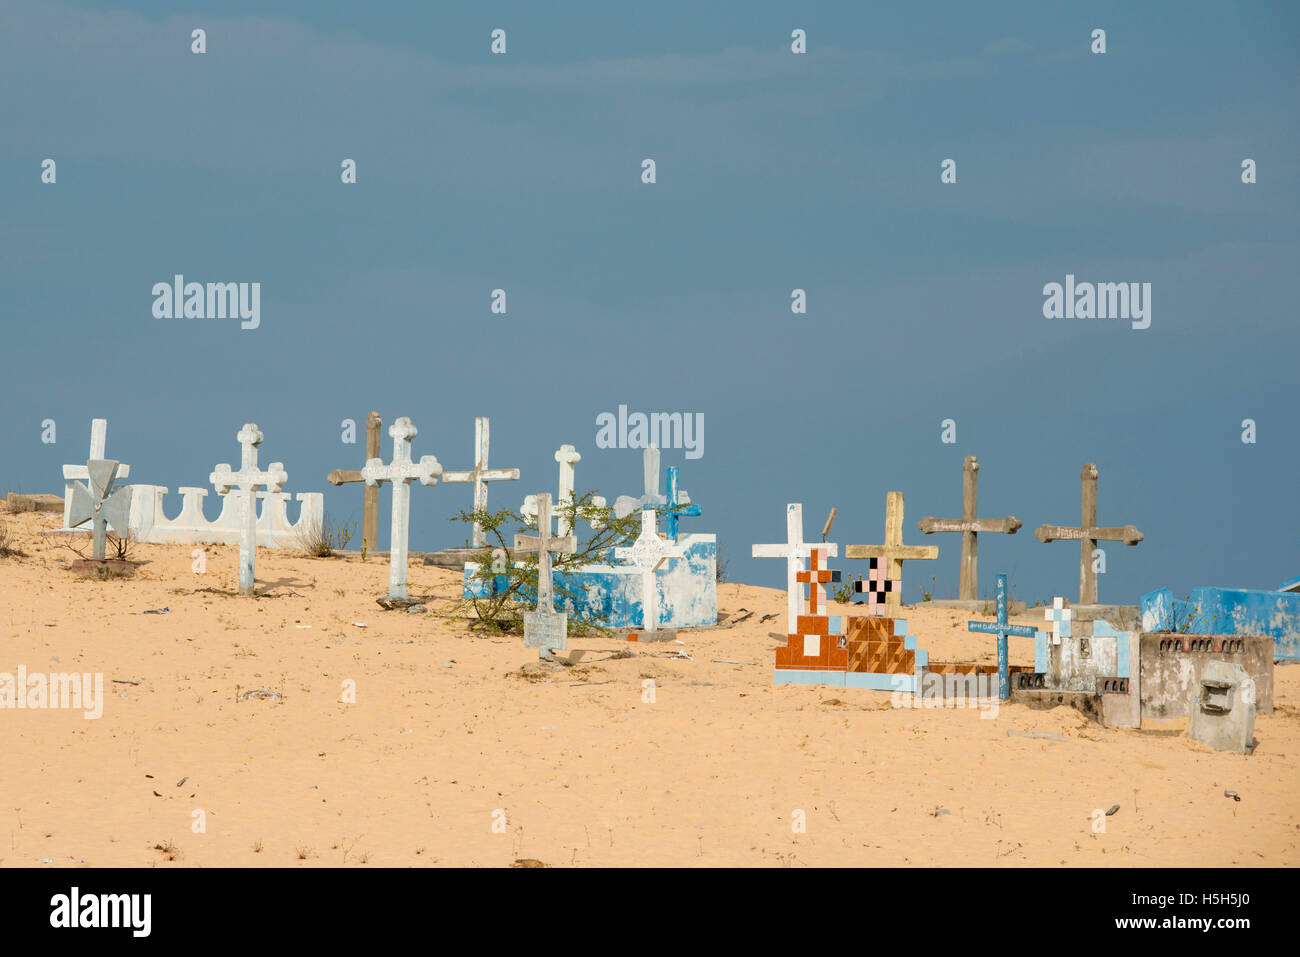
625, 505
1060, 617
401, 472
568, 457
537, 634
248, 480
98, 442
647, 553
793, 551
480, 475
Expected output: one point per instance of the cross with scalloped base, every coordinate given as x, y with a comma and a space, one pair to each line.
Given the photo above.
247, 481
402, 471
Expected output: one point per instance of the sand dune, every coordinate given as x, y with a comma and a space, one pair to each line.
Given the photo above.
457, 754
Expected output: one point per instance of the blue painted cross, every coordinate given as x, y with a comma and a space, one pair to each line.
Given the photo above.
1002, 629
673, 509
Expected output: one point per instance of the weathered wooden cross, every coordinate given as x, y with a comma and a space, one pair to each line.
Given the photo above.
970, 527
794, 551
1002, 630
247, 481
401, 472
1088, 534
545, 628
568, 457
893, 551
647, 553
625, 505
98, 443
370, 503
100, 503
480, 475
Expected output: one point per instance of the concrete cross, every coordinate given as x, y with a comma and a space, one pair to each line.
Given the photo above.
370, 502
1088, 534
98, 444
100, 503
625, 505
401, 472
568, 457
970, 527
793, 551
480, 475
1002, 629
893, 551
545, 628
247, 481
647, 553
677, 506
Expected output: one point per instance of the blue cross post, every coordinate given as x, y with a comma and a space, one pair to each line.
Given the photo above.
672, 510
1002, 629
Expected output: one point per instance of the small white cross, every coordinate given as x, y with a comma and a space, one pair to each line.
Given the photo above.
480, 475
568, 457
98, 443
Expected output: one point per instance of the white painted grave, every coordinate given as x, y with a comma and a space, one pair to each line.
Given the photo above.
646, 554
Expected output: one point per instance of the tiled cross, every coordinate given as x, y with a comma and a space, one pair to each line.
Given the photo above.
402, 471
814, 626
793, 551
1088, 534
876, 587
625, 505
98, 444
970, 527
247, 481
545, 628
894, 552
647, 553
1002, 630
568, 457
480, 475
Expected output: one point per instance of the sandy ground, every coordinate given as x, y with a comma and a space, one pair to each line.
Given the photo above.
451, 755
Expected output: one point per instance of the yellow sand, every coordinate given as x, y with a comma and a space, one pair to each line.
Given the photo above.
451, 756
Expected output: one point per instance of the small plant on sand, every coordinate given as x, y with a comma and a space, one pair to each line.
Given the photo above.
508, 582
8, 545
319, 539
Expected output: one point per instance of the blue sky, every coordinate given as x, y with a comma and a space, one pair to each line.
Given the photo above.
775, 171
